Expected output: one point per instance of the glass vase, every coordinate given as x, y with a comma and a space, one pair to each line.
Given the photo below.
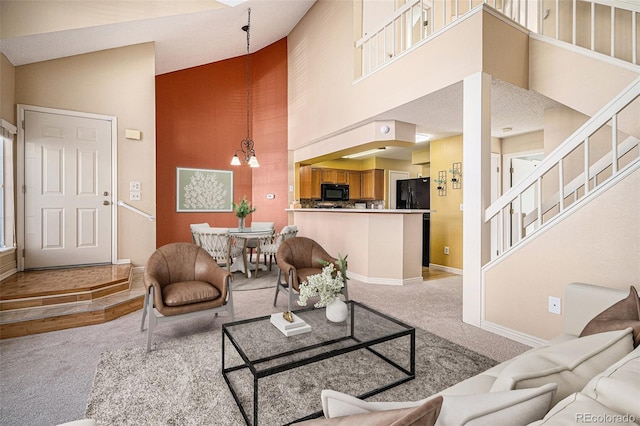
241, 223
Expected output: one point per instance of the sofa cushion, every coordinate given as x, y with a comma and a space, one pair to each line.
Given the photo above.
187, 292
570, 364
424, 414
623, 314
618, 387
578, 408
518, 407
526, 405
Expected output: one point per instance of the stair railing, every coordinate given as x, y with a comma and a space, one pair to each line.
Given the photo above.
135, 210
609, 27
569, 174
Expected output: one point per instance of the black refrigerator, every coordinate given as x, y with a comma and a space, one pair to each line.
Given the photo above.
416, 194
413, 193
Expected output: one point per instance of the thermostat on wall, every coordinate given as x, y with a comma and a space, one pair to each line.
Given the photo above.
132, 134
271, 196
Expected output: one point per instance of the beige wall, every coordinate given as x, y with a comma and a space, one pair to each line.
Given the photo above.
583, 88
324, 100
533, 141
597, 244
118, 82
7, 90
446, 223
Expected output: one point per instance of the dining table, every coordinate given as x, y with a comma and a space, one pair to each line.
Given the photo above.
244, 235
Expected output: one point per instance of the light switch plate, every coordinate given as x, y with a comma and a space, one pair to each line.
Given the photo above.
134, 196
134, 186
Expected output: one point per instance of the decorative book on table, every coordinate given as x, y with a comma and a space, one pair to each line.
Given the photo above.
298, 326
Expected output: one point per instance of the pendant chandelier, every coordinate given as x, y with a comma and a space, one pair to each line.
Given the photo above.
246, 153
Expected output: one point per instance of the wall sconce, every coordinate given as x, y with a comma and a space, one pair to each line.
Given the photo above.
441, 183
456, 175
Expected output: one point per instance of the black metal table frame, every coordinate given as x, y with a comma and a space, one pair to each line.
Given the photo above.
411, 372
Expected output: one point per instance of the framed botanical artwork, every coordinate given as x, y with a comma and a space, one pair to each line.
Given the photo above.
203, 190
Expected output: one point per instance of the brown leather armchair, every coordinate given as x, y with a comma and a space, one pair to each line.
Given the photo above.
182, 279
298, 258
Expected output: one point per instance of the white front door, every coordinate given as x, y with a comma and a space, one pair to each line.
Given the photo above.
67, 199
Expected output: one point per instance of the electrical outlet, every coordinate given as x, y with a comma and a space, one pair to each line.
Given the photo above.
134, 195
555, 304
134, 186
446, 249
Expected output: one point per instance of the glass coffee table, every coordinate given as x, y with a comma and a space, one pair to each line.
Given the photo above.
261, 350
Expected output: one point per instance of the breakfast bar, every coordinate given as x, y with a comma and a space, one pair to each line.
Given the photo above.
384, 246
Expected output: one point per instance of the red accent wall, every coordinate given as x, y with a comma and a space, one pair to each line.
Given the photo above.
200, 121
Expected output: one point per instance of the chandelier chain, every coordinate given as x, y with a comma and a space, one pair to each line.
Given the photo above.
248, 72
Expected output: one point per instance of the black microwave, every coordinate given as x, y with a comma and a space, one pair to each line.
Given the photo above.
334, 192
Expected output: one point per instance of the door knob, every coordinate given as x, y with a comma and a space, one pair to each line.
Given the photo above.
105, 193
106, 203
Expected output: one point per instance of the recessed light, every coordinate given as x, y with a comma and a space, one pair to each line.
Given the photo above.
363, 153
422, 137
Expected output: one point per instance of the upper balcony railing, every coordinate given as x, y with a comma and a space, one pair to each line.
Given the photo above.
601, 151
609, 27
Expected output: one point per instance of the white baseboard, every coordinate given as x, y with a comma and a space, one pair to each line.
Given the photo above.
385, 281
446, 268
8, 273
523, 338
123, 261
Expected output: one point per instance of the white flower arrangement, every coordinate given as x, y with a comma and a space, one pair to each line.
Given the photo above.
327, 285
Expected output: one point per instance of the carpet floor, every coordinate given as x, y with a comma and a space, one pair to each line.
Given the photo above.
265, 279
180, 381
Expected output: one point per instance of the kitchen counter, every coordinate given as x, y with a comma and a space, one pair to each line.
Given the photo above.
384, 245
392, 211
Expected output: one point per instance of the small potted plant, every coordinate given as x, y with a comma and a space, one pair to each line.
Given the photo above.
242, 210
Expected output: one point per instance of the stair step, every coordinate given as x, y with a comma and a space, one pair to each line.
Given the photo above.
107, 300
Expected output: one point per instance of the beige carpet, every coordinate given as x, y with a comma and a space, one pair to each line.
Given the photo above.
180, 381
265, 279
47, 378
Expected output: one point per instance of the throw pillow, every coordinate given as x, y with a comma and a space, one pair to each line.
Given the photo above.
422, 415
570, 364
623, 314
518, 407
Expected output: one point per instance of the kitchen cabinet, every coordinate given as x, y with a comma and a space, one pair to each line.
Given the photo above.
372, 184
334, 176
310, 180
353, 180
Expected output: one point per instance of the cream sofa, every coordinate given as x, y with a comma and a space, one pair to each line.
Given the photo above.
569, 380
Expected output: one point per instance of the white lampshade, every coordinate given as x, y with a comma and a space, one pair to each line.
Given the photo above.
253, 161
235, 161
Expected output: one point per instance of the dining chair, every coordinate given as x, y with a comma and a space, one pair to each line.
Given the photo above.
252, 243
194, 227
221, 245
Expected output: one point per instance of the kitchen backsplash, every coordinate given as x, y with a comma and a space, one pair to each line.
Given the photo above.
351, 204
